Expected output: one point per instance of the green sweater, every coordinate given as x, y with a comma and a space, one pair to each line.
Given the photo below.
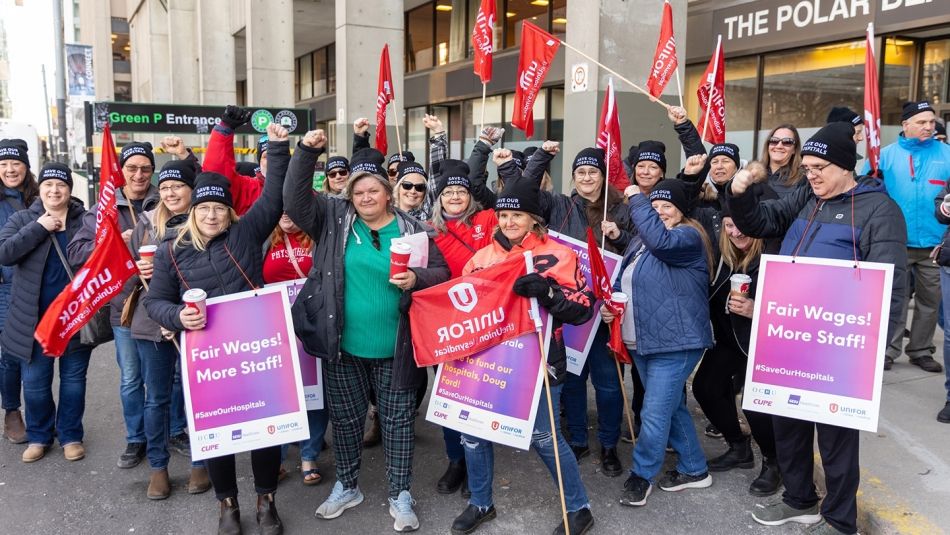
370, 302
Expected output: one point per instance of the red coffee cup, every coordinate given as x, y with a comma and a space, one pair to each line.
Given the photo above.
399, 258
146, 252
618, 302
740, 285
195, 298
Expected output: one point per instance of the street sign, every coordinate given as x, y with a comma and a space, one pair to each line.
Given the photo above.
185, 119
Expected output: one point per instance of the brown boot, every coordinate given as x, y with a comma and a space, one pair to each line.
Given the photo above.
230, 521
268, 522
158, 485
13, 427
198, 482
373, 435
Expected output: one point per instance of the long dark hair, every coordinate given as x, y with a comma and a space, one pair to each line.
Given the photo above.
595, 209
29, 188
791, 171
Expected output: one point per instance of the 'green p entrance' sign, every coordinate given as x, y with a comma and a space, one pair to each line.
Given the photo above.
175, 119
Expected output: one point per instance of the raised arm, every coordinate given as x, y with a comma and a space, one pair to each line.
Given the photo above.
263, 216
304, 206
539, 161
478, 165
360, 134
685, 131
762, 219
678, 246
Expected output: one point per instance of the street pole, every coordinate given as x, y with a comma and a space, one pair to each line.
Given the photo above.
59, 49
49, 120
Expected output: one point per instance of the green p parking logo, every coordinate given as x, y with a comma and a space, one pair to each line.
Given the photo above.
261, 119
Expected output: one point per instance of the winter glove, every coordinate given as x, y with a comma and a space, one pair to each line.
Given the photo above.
235, 116
534, 285
945, 207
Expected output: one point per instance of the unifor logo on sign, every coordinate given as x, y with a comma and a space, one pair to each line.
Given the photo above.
463, 296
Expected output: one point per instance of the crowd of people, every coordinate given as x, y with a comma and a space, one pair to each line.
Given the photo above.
225, 227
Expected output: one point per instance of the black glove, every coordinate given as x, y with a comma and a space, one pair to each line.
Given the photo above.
534, 285
235, 116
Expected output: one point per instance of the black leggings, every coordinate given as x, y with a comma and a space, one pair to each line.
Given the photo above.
713, 389
265, 463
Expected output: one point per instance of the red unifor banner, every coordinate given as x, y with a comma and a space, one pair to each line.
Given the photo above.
384, 95
482, 40
711, 93
608, 138
600, 285
872, 104
664, 59
102, 276
538, 48
469, 314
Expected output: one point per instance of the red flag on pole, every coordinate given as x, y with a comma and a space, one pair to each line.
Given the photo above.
711, 93
538, 48
482, 39
872, 104
102, 276
608, 138
384, 95
600, 285
664, 59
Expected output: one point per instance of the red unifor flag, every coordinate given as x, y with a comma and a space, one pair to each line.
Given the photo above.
384, 95
664, 59
608, 138
712, 100
469, 314
102, 277
482, 35
872, 104
538, 48
600, 285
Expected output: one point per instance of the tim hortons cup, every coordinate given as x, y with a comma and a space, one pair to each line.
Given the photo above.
399, 258
146, 252
740, 285
618, 302
195, 298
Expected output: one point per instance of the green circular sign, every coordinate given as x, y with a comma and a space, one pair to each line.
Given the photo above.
260, 120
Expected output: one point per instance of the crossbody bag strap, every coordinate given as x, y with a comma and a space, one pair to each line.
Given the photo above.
459, 238
171, 253
246, 278
293, 259
62, 257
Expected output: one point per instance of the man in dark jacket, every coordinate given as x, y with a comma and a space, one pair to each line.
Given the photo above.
840, 217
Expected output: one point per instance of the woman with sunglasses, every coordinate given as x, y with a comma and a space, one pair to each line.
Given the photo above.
211, 249
411, 186
782, 157
353, 314
338, 169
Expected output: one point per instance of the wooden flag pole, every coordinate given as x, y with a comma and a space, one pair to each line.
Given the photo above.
396, 125
615, 73
484, 91
712, 84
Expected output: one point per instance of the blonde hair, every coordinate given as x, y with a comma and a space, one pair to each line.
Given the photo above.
737, 259
188, 233
707, 244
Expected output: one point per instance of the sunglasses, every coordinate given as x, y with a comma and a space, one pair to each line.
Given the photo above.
375, 235
784, 141
393, 172
421, 188
334, 174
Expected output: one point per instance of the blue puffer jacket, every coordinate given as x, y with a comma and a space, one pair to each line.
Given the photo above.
11, 202
914, 173
670, 284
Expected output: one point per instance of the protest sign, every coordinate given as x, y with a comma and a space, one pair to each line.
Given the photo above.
817, 346
311, 368
579, 338
241, 376
492, 395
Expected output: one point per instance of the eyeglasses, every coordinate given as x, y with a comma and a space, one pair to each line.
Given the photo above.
813, 170
421, 188
206, 209
133, 169
375, 235
172, 188
784, 141
334, 174
455, 193
393, 172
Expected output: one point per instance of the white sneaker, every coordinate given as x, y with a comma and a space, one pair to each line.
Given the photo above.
401, 509
338, 501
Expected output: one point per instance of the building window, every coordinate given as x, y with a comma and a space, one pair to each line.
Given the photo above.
516, 11
316, 73
305, 77
452, 30
934, 79
420, 38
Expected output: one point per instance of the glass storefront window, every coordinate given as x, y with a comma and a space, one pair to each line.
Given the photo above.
305, 77
331, 69
559, 19
934, 78
451, 30
896, 86
420, 52
320, 72
534, 11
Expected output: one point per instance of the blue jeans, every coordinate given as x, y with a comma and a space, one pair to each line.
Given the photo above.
602, 370
158, 371
665, 416
480, 459
42, 413
310, 448
10, 381
177, 420
131, 385
453, 445
945, 290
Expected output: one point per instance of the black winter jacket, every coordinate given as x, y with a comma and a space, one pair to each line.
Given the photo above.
213, 269
25, 245
943, 250
11, 202
318, 311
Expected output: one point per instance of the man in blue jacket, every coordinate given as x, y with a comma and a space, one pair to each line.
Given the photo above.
916, 167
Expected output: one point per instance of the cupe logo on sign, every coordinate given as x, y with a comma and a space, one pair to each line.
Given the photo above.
261, 119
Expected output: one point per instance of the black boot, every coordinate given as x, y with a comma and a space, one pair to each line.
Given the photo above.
471, 518
268, 522
230, 521
453, 478
739, 455
609, 463
769, 480
580, 522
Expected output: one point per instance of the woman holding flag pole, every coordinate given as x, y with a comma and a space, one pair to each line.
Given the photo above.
560, 288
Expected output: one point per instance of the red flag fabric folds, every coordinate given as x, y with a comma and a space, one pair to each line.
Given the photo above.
872, 105
608, 138
711, 93
482, 39
538, 48
664, 59
384, 95
600, 285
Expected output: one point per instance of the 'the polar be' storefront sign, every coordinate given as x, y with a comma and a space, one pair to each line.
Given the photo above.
176, 119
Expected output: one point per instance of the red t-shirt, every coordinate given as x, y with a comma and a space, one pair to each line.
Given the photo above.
277, 264
475, 236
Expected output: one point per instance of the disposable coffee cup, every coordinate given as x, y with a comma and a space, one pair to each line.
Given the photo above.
618, 301
195, 298
740, 285
399, 258
146, 252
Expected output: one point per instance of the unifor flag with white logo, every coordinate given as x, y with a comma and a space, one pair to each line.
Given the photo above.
469, 314
712, 99
102, 276
482, 44
384, 95
608, 138
872, 104
664, 59
538, 48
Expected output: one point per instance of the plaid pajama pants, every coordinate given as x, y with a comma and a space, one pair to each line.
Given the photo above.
348, 382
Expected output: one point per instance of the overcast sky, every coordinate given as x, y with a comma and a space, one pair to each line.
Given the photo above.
29, 30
